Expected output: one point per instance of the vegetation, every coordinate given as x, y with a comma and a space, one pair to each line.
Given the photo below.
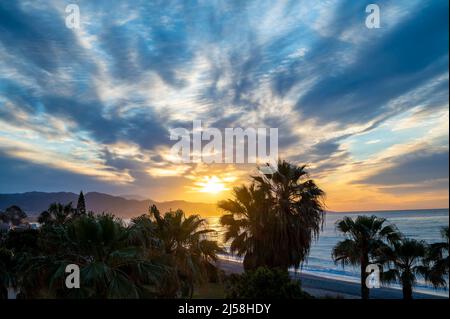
438, 261
153, 257
14, 215
364, 236
369, 240
404, 259
264, 283
81, 205
186, 245
273, 221
58, 214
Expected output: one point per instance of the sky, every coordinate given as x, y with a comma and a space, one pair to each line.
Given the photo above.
90, 108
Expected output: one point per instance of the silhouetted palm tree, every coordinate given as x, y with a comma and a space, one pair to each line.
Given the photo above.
185, 240
438, 261
57, 214
364, 236
273, 222
405, 261
248, 224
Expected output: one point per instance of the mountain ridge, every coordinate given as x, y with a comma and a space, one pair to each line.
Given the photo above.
35, 202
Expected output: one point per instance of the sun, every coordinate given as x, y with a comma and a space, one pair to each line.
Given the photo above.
212, 185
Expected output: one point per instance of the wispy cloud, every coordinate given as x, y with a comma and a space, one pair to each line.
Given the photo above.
95, 104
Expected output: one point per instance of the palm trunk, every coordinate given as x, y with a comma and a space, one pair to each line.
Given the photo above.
407, 291
364, 288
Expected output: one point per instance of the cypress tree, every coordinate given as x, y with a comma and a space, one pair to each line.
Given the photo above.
81, 206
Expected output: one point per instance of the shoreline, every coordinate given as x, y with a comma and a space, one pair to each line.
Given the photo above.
325, 287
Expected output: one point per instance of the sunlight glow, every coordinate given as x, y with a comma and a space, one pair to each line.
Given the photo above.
211, 185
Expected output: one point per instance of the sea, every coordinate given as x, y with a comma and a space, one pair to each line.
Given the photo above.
418, 224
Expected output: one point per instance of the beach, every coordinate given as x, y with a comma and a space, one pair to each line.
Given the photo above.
322, 276
321, 287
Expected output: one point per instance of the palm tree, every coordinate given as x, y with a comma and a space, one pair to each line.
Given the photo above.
111, 266
185, 240
438, 261
364, 236
57, 213
248, 224
273, 222
405, 261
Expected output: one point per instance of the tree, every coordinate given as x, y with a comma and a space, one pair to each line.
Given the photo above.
246, 224
111, 265
264, 283
8, 278
405, 260
15, 215
184, 240
81, 205
273, 221
58, 214
364, 235
438, 261
3, 217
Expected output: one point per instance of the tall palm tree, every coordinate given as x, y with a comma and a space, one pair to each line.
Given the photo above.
438, 261
185, 240
273, 222
405, 261
364, 236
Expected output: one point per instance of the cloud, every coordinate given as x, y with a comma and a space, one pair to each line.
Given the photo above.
394, 65
414, 168
102, 98
23, 175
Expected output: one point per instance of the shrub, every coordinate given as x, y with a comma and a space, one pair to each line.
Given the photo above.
264, 283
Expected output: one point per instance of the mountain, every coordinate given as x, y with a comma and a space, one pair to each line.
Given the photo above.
34, 203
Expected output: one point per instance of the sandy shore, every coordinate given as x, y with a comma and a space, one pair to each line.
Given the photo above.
324, 287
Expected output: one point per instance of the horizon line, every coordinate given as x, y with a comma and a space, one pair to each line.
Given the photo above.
206, 202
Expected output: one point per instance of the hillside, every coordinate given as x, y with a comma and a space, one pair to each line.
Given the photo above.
34, 203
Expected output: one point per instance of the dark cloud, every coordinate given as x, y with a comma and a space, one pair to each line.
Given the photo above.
412, 53
415, 168
325, 148
39, 42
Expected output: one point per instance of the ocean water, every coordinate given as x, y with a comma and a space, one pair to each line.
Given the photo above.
417, 224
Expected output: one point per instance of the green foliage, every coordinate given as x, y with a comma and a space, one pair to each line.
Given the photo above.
151, 257
264, 283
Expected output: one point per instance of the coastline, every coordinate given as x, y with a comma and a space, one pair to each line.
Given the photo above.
325, 287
